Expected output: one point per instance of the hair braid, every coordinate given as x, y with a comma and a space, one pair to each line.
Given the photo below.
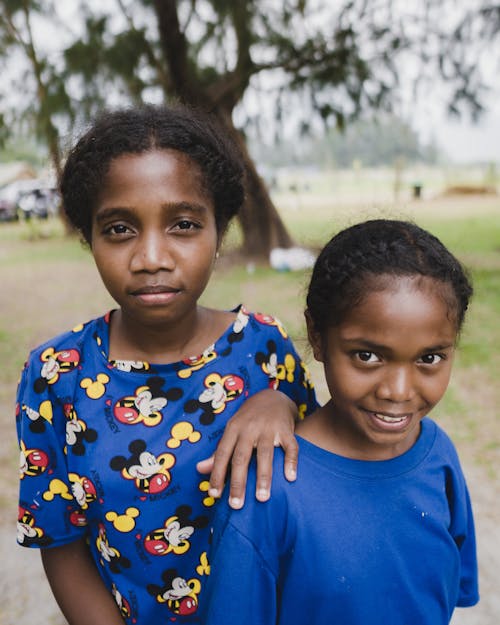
347, 265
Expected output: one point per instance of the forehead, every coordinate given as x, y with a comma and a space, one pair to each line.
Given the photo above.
404, 309
155, 169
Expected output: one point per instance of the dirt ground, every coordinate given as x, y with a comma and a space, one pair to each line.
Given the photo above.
25, 598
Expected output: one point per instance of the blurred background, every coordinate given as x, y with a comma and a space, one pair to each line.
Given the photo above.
344, 110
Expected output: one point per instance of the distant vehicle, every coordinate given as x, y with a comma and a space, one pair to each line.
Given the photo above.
28, 198
8, 210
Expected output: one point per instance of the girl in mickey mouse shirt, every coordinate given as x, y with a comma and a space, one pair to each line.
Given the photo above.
114, 416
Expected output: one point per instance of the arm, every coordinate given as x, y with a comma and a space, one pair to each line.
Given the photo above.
266, 420
77, 586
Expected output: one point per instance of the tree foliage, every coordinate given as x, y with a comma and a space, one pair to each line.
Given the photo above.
339, 59
380, 140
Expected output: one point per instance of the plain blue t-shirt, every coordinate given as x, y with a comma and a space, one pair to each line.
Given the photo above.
349, 543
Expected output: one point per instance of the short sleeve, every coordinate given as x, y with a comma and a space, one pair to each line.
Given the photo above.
285, 368
465, 537
48, 514
463, 532
240, 587
244, 558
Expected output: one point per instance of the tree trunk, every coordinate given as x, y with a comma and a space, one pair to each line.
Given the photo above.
261, 224
260, 221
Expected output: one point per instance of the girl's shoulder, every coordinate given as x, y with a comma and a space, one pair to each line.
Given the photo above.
258, 519
67, 344
443, 446
57, 362
255, 327
266, 321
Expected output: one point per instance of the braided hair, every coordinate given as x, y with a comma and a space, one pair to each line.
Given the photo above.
355, 260
141, 129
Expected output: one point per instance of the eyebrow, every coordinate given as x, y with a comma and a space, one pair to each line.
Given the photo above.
121, 212
371, 346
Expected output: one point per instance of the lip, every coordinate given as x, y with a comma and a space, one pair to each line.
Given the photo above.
390, 421
155, 294
152, 289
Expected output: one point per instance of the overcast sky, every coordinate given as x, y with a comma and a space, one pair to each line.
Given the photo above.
461, 140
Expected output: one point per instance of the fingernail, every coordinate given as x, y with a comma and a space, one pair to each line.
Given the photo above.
291, 474
235, 502
214, 492
263, 494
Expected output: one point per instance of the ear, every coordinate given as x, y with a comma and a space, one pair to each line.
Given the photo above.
314, 338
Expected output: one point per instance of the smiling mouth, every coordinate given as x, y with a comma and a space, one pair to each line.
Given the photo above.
391, 419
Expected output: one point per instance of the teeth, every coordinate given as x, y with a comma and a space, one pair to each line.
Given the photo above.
387, 419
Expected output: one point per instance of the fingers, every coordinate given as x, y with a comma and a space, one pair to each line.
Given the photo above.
239, 470
265, 454
235, 450
291, 447
221, 460
205, 466
261, 430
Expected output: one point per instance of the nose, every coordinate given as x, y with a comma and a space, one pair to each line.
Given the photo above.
397, 385
152, 253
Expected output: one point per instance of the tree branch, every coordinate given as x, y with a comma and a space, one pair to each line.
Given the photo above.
163, 77
174, 45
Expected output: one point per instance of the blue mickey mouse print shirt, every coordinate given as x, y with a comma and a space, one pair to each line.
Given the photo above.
108, 451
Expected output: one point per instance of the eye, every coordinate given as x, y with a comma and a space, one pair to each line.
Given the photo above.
367, 356
431, 359
186, 224
117, 229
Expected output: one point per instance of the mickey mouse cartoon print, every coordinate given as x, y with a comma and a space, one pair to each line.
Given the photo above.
150, 473
219, 390
55, 363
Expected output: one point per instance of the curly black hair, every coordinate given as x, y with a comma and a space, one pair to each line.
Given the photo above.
196, 134
351, 262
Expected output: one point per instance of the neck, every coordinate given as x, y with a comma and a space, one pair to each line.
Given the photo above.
163, 343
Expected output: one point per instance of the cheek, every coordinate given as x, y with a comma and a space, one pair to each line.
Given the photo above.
344, 381
437, 386
112, 273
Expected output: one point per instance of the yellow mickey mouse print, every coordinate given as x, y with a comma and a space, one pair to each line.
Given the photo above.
54, 364
175, 534
108, 554
57, 487
203, 567
123, 522
78, 328
302, 409
207, 501
83, 489
182, 431
39, 418
149, 472
268, 320
95, 388
32, 462
197, 362
287, 372
271, 366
